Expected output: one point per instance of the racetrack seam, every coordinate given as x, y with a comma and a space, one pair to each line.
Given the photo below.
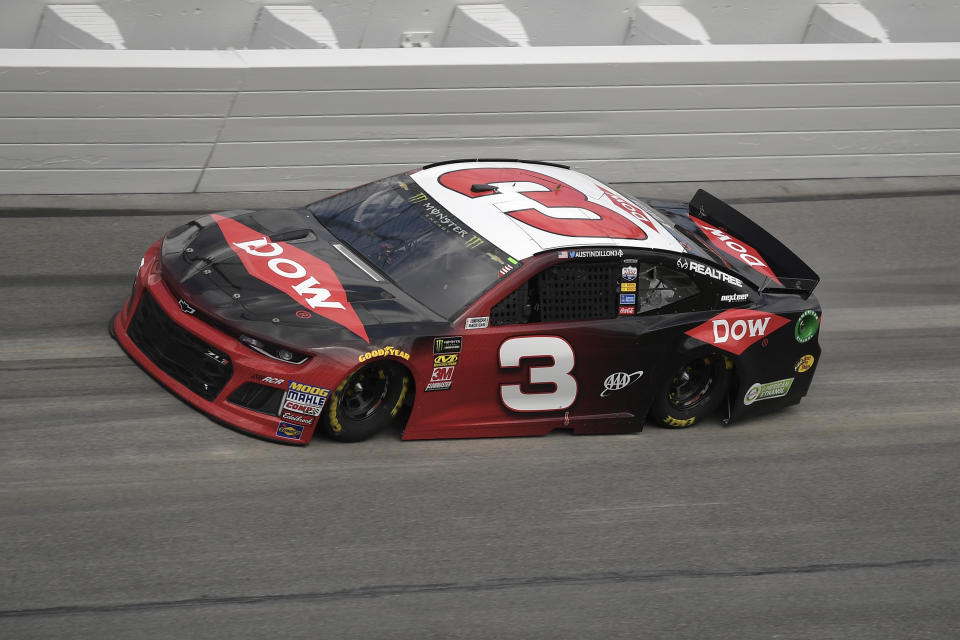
378, 591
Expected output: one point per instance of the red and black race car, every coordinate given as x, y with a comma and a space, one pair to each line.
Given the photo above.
471, 299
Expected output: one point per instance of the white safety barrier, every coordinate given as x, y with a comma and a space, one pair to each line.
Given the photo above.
115, 121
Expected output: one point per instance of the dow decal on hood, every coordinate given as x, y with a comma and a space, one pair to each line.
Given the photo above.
308, 280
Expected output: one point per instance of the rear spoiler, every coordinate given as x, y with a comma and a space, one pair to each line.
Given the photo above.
792, 272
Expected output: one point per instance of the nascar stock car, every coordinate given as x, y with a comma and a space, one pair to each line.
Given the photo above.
470, 299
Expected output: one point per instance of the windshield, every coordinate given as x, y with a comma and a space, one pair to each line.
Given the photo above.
421, 246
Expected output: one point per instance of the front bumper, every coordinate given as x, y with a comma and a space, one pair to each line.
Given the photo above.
210, 369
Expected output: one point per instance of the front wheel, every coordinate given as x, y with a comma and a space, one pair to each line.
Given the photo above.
366, 402
693, 392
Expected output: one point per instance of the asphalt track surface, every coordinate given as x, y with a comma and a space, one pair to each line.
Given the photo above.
124, 513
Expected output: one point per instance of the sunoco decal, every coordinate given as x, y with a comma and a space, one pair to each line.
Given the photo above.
308, 280
289, 431
767, 391
737, 329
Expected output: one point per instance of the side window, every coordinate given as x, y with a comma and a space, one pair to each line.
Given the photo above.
563, 292
658, 287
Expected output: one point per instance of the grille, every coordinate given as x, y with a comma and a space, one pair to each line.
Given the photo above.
177, 352
510, 310
258, 397
579, 292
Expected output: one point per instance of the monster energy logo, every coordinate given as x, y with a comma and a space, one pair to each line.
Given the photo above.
420, 197
473, 242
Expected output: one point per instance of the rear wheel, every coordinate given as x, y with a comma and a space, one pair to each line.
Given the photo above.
366, 402
693, 392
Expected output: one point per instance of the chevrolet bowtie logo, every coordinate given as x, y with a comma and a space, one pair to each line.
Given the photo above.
186, 308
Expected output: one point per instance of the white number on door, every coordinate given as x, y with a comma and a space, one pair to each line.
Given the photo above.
512, 351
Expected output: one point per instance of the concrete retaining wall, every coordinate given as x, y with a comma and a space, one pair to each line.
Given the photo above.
102, 121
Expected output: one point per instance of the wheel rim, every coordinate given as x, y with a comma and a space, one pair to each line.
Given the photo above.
364, 393
691, 385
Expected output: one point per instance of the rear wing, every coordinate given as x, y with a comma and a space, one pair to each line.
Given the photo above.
793, 275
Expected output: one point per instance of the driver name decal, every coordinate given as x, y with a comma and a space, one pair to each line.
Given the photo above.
308, 280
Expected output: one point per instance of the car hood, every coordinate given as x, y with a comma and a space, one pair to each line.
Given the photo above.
279, 275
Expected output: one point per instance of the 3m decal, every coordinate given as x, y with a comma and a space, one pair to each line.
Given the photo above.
767, 390
307, 279
619, 380
445, 360
546, 203
385, 351
628, 287
289, 431
807, 325
628, 298
736, 329
477, 323
442, 374
449, 344
712, 272
627, 311
733, 247
557, 375
803, 364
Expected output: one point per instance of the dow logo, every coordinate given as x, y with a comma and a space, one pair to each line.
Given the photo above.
737, 329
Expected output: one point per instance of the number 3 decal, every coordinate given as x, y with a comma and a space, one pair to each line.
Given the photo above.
512, 351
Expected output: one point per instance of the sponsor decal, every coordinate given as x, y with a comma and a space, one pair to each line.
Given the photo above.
269, 379
712, 272
562, 255
305, 409
445, 221
289, 431
304, 398
803, 364
767, 390
449, 344
734, 297
630, 261
807, 325
385, 351
736, 329
477, 323
628, 274
438, 386
185, 307
308, 280
294, 417
445, 360
597, 253
628, 287
628, 298
627, 311
619, 380
733, 247
304, 314
442, 374
629, 207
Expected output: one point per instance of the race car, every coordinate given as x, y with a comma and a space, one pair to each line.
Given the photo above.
474, 299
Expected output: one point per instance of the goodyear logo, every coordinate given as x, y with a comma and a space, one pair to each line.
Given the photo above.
445, 360
306, 388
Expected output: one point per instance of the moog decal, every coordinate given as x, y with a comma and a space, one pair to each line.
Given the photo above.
307, 279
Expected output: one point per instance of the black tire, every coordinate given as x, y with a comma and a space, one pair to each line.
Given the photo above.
366, 402
693, 391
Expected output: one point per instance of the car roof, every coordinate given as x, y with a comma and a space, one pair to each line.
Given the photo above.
483, 193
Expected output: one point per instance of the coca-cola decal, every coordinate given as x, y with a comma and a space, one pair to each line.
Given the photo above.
736, 329
307, 279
